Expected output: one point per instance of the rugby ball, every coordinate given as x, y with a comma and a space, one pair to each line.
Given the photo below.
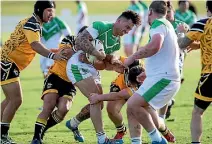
99, 47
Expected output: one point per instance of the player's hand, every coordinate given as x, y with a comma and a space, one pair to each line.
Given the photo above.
128, 61
83, 58
193, 46
99, 55
141, 77
119, 68
182, 28
93, 98
59, 56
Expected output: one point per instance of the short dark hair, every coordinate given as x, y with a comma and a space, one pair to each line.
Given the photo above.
159, 7
169, 5
131, 15
182, 1
209, 5
133, 73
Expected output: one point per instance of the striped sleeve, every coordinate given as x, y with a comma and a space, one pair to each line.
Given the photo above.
197, 29
32, 26
69, 40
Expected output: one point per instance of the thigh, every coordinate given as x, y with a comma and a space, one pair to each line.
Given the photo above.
87, 86
12, 90
115, 105
9, 73
203, 90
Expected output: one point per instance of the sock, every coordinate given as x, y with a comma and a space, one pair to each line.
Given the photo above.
39, 127
164, 132
52, 121
101, 137
121, 128
155, 135
5, 128
74, 122
136, 140
195, 142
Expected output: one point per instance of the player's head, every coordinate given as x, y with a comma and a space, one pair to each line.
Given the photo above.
134, 72
183, 5
157, 9
170, 11
133, 1
45, 10
125, 22
209, 8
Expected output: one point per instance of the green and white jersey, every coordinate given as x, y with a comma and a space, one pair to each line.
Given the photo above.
136, 8
175, 23
165, 63
53, 32
104, 32
188, 17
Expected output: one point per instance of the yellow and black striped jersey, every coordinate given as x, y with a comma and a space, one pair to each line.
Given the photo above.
202, 31
59, 67
17, 48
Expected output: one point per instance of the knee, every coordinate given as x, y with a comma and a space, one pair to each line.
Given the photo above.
63, 110
16, 101
197, 112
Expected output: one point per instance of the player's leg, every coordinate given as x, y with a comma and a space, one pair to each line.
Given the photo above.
83, 115
153, 92
203, 98
114, 113
11, 87
50, 96
49, 102
160, 124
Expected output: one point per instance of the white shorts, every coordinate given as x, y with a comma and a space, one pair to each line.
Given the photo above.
158, 91
45, 64
77, 71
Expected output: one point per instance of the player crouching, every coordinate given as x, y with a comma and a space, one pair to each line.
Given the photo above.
58, 92
121, 90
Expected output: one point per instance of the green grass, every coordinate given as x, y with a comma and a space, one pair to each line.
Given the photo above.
32, 82
94, 7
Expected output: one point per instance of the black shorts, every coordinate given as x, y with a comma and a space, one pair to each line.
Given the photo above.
9, 72
55, 84
203, 93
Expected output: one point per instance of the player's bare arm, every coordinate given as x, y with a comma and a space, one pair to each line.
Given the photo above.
40, 48
151, 48
112, 96
83, 42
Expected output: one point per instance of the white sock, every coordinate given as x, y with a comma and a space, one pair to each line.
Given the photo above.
74, 122
101, 137
136, 140
155, 135
162, 116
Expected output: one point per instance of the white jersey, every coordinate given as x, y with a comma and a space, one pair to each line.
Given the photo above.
53, 33
82, 16
165, 63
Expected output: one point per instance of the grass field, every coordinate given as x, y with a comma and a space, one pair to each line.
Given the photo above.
32, 82
94, 7
22, 127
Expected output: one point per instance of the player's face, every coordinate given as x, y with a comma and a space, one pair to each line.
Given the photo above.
184, 6
48, 14
124, 26
170, 15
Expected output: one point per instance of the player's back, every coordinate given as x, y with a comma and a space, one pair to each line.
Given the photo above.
17, 48
165, 62
202, 31
59, 67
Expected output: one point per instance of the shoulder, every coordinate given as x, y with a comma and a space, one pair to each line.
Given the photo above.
199, 25
69, 40
156, 23
32, 24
